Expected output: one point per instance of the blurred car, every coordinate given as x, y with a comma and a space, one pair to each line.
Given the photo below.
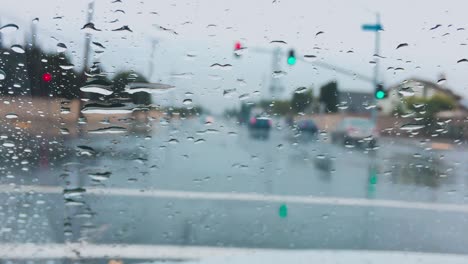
259, 127
305, 131
355, 131
307, 126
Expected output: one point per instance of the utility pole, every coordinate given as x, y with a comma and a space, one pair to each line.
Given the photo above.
376, 68
275, 83
376, 28
88, 37
151, 62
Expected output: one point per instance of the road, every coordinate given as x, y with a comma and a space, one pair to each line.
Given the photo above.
189, 184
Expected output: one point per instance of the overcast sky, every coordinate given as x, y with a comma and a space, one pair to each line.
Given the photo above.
207, 30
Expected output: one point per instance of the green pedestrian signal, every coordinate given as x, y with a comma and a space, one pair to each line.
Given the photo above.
291, 57
283, 211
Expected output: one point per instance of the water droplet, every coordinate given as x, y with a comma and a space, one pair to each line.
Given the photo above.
244, 96
9, 144
166, 29
462, 60
67, 66
100, 176
173, 141
184, 75
198, 141
85, 151
123, 28
35, 20
187, 102
319, 33
436, 26
188, 94
278, 41
98, 45
72, 193
152, 88
99, 89
8, 28
61, 47
310, 57
300, 90
407, 91
64, 131
89, 27
116, 108
108, 130
411, 127
2, 75
278, 74
11, 116
119, 11
441, 81
17, 48
402, 45
228, 93
221, 66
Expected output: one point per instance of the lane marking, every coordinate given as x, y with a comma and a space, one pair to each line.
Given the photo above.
218, 254
244, 197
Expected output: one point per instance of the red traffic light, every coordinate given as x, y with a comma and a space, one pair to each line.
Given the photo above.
237, 46
47, 77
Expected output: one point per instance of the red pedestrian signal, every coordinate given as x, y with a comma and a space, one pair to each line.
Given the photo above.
47, 77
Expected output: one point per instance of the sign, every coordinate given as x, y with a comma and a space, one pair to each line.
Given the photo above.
372, 27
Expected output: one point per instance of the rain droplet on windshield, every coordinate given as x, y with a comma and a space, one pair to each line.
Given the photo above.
123, 28
278, 74
90, 26
8, 28
221, 66
462, 60
11, 116
300, 90
72, 193
17, 48
2, 75
411, 127
402, 45
108, 130
99, 89
100, 176
187, 101
61, 47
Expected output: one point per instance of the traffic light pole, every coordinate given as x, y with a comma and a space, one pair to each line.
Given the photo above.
375, 79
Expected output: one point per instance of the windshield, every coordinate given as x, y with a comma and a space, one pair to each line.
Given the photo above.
141, 131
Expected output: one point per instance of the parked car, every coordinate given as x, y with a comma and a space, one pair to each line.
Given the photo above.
357, 131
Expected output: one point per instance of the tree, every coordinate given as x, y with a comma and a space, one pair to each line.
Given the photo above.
329, 96
300, 101
123, 78
429, 107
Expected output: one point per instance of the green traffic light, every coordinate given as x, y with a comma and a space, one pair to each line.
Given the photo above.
379, 94
283, 211
291, 60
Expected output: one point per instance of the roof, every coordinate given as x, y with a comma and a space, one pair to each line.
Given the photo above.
430, 84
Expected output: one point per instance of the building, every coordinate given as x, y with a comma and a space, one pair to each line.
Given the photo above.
355, 102
414, 87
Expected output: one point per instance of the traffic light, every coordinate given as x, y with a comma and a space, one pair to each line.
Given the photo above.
380, 92
291, 57
47, 77
237, 49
